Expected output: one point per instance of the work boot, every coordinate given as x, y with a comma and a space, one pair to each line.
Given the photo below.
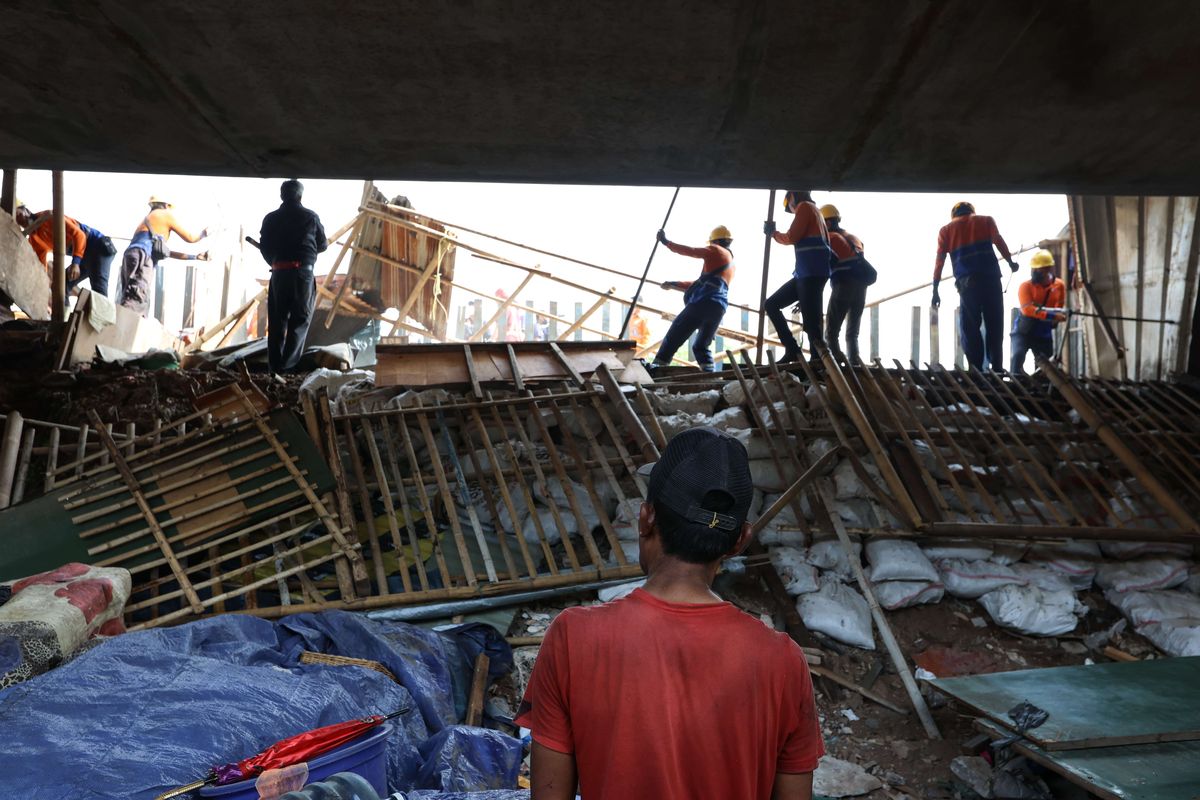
790, 356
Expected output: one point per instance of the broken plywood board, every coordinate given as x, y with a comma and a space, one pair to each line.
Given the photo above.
21, 276
418, 365
1099, 705
129, 332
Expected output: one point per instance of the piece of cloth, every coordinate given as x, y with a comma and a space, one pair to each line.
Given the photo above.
810, 239
702, 319
1034, 299
670, 700
1021, 345
290, 299
41, 237
292, 233
981, 305
715, 276
137, 277
809, 293
101, 311
847, 299
968, 241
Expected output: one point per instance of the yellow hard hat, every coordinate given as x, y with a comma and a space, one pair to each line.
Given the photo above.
157, 199
1042, 259
962, 207
829, 211
720, 232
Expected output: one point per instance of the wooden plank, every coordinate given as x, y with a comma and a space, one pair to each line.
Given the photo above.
160, 537
517, 378
21, 276
1097, 705
469, 361
409, 527
475, 698
388, 507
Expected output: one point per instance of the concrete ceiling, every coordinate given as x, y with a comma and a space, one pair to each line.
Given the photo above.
1009, 95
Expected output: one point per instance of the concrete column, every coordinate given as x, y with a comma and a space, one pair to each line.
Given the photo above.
58, 274
8, 194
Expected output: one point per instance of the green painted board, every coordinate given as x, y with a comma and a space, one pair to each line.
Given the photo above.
1160, 771
1098, 705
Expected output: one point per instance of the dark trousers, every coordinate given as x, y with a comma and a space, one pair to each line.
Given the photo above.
1022, 344
702, 318
809, 293
290, 299
137, 280
981, 304
846, 301
95, 266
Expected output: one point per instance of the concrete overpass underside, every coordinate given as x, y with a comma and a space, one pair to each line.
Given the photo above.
1081, 96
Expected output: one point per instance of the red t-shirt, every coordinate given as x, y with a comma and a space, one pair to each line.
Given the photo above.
670, 700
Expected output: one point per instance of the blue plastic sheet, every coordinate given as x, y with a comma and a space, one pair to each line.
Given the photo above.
148, 711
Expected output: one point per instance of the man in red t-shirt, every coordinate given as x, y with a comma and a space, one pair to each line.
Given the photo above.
671, 692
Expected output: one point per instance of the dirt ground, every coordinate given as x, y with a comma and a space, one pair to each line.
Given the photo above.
951, 637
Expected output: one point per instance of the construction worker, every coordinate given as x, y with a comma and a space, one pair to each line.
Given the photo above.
149, 246
639, 330
290, 240
848, 281
810, 239
1043, 298
705, 298
968, 239
90, 251
671, 692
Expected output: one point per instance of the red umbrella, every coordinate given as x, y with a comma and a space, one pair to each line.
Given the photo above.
286, 752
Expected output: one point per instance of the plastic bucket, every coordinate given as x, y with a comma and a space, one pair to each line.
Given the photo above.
366, 757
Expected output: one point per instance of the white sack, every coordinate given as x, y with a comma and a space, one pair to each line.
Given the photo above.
553, 534
1127, 550
799, 577
828, 555
964, 550
666, 403
625, 521
1142, 575
1170, 619
1077, 560
728, 418
975, 578
849, 485
839, 612
1043, 578
1031, 610
903, 594
898, 560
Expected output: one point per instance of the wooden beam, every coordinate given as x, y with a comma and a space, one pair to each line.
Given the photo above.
58, 273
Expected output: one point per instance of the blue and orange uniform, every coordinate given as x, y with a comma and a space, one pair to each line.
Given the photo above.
90, 251
1040, 312
968, 239
705, 299
848, 279
810, 239
137, 262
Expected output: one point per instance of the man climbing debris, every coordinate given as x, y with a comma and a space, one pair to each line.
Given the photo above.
848, 280
1042, 299
705, 299
90, 251
290, 239
671, 692
968, 239
146, 249
810, 239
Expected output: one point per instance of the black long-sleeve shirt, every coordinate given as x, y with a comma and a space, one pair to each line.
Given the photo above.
292, 233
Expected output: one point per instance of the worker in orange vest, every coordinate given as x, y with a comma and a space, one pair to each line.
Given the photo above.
808, 236
705, 299
149, 246
848, 281
968, 239
1043, 300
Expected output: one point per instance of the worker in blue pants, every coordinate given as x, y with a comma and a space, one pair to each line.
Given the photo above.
705, 298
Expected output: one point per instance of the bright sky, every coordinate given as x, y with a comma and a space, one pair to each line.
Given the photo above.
609, 225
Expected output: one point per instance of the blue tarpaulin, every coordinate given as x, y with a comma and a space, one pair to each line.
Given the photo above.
147, 711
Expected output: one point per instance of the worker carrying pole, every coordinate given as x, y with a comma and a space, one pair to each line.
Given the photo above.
705, 299
848, 281
1042, 298
968, 239
810, 239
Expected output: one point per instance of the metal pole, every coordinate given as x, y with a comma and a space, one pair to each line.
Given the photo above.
874, 333
935, 344
762, 294
916, 337
58, 282
645, 272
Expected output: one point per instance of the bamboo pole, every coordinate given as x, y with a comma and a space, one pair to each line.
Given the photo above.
58, 273
766, 269
13, 428
631, 420
210, 333
410, 529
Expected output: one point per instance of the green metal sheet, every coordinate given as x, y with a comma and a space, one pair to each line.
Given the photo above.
1161, 771
1095, 705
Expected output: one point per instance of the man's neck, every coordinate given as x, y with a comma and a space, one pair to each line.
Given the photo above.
676, 581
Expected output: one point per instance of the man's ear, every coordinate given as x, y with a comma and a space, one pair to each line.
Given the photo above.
743, 541
646, 519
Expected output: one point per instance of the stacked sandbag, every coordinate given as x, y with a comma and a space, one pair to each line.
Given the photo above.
798, 576
1169, 618
1044, 604
973, 579
900, 574
839, 612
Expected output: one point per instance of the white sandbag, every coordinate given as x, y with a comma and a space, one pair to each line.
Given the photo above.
839, 612
967, 551
552, 492
781, 412
505, 521
787, 516
1076, 559
798, 576
1043, 578
885, 519
898, 560
625, 520
904, 594
1032, 610
828, 555
1006, 553
666, 403
1142, 575
674, 424
1127, 550
1192, 583
858, 514
847, 483
794, 394
928, 460
1170, 619
782, 536
728, 418
819, 447
549, 525
766, 476
975, 578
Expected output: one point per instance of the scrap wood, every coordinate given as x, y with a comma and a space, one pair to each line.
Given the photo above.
825, 672
479, 681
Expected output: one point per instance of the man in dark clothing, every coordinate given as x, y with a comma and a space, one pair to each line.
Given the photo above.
290, 239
